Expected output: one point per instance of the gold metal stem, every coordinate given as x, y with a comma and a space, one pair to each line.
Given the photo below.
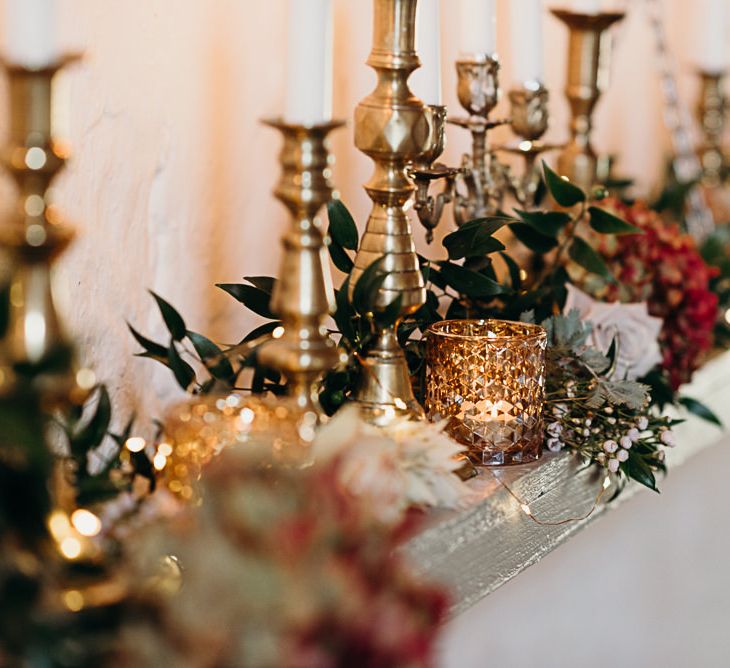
392, 128
303, 297
588, 67
33, 237
478, 91
711, 112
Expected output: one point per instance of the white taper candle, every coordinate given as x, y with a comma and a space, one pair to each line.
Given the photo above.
478, 32
527, 41
30, 37
309, 62
426, 81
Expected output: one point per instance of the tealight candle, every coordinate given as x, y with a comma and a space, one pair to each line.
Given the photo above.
309, 62
29, 32
486, 378
478, 21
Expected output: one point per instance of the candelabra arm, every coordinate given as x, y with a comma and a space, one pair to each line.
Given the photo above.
303, 296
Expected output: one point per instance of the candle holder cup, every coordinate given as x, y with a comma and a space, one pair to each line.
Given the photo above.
487, 379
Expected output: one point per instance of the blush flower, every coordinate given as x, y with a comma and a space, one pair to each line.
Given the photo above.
636, 332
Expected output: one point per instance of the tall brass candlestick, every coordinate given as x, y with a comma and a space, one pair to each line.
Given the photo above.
711, 112
392, 128
34, 237
303, 296
587, 78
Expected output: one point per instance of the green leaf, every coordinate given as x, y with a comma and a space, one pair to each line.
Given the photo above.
366, 289
606, 223
344, 313
536, 242
251, 297
474, 239
564, 192
208, 350
183, 372
173, 320
547, 223
92, 434
340, 258
342, 227
263, 330
470, 283
155, 349
581, 253
265, 283
514, 271
635, 467
700, 410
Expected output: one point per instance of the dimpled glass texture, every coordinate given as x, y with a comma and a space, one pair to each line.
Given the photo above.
487, 379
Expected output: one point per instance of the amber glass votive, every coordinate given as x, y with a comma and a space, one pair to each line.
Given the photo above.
487, 377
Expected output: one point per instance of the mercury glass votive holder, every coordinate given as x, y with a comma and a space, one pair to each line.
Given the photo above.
487, 379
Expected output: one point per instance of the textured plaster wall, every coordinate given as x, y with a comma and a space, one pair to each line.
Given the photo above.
169, 189
171, 173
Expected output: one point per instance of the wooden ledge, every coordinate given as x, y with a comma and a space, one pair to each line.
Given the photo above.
476, 550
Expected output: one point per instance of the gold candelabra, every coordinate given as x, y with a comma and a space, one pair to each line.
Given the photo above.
711, 112
392, 127
34, 237
303, 296
588, 69
481, 185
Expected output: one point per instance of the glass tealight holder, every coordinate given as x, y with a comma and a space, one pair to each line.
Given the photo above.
487, 379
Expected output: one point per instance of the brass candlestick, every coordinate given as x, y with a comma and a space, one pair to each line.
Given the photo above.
392, 128
303, 296
34, 237
479, 92
711, 112
529, 121
588, 66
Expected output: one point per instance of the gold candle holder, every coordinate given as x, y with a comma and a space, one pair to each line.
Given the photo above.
478, 91
392, 128
529, 120
34, 237
711, 112
588, 68
303, 297
487, 378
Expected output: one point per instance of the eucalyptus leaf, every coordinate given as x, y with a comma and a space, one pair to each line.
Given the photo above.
365, 294
222, 369
262, 330
173, 320
514, 271
563, 191
342, 227
606, 223
636, 468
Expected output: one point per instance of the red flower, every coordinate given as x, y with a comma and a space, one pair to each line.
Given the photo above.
664, 267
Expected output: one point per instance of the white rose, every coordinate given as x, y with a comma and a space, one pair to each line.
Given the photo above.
636, 331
